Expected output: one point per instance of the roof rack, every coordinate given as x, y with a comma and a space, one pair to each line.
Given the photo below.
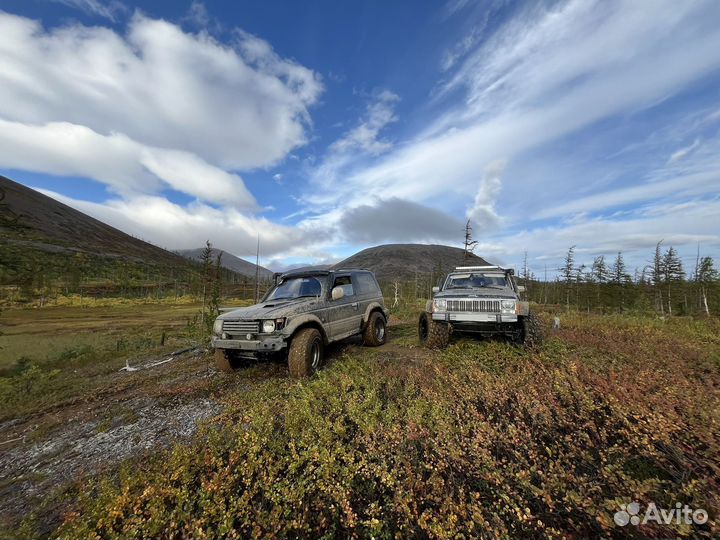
488, 267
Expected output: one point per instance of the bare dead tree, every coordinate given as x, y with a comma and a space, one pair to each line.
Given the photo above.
257, 271
470, 244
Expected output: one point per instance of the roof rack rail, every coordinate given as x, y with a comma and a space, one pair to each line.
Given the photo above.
488, 267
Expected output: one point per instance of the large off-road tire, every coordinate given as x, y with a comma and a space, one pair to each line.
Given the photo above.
375, 332
306, 353
225, 360
532, 334
433, 334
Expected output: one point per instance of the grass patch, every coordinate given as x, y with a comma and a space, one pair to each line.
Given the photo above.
53, 355
482, 440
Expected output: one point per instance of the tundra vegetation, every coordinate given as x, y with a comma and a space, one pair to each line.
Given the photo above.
483, 439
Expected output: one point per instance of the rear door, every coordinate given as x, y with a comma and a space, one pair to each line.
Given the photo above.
366, 290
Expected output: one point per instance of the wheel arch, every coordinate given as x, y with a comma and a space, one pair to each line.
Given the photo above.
308, 322
524, 310
372, 308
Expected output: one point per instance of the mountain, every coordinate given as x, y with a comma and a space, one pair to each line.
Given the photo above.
304, 267
229, 261
392, 261
44, 239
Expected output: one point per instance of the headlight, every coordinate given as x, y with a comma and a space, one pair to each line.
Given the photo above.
217, 327
508, 304
268, 326
439, 304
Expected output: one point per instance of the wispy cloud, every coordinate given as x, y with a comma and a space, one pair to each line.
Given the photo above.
111, 9
365, 137
548, 73
683, 152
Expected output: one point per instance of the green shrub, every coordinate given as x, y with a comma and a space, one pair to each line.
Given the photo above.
483, 440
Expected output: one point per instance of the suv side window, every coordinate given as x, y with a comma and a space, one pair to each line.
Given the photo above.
366, 284
346, 283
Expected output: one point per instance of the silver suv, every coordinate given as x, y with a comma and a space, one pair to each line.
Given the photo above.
302, 313
480, 300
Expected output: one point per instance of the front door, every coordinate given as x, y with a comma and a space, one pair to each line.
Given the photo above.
345, 314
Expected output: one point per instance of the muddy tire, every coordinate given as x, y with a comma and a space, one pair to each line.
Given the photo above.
225, 361
375, 332
433, 334
306, 353
532, 334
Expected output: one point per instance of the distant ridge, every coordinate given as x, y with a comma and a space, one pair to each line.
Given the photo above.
392, 261
32, 221
229, 261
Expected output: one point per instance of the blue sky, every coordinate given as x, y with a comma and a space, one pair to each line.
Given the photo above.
329, 127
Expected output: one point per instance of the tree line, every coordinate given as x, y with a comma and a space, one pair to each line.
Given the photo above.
664, 284
28, 274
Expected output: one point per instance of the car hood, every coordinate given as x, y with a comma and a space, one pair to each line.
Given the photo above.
272, 309
477, 293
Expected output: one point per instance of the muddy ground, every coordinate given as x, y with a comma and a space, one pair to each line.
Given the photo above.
43, 452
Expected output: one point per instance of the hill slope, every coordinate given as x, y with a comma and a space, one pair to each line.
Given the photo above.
229, 261
393, 261
44, 240
34, 219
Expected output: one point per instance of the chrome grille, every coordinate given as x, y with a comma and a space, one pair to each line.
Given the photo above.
240, 327
474, 306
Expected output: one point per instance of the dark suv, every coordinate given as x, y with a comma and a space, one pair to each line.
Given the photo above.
300, 315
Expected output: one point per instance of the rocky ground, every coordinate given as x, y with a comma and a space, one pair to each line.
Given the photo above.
43, 452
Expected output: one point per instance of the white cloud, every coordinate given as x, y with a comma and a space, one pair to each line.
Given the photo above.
356, 145
126, 166
169, 225
236, 107
547, 74
681, 225
483, 211
365, 137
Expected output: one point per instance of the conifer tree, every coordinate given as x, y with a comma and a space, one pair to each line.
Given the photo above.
705, 276
657, 277
673, 273
568, 273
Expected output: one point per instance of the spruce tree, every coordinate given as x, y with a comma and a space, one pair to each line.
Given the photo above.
673, 273
619, 277
599, 274
568, 273
657, 277
705, 276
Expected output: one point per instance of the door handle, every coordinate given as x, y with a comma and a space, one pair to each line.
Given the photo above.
354, 304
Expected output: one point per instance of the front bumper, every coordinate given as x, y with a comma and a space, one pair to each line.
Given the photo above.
261, 344
453, 317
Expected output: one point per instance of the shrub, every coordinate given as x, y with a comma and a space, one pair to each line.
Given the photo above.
483, 440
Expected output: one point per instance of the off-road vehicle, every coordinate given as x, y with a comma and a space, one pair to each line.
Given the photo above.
302, 313
480, 300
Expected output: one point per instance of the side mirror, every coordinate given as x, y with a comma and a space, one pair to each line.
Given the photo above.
436, 289
521, 288
338, 293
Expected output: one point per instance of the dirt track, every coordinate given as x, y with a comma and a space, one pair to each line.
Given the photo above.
150, 408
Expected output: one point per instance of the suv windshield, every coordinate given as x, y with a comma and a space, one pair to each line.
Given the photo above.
474, 281
296, 288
